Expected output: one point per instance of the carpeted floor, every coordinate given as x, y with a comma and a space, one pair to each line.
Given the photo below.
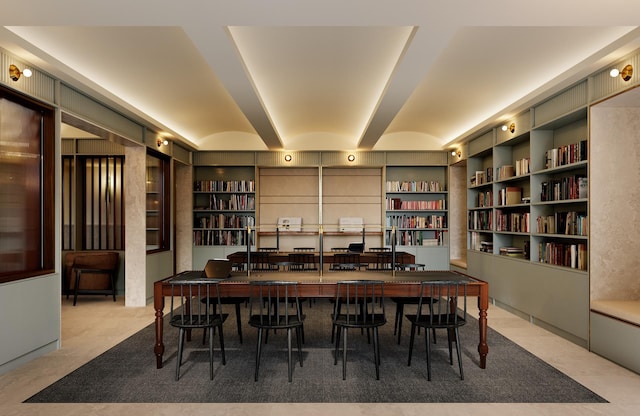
127, 372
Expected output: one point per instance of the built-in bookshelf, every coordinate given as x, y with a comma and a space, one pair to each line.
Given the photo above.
416, 206
527, 208
224, 204
527, 193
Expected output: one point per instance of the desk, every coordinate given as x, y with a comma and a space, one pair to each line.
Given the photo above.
240, 257
404, 284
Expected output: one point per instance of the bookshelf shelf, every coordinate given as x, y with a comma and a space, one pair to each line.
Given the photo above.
417, 205
224, 201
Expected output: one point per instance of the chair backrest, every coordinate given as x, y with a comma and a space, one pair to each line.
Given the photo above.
444, 303
260, 261
195, 302
346, 261
274, 303
302, 261
359, 301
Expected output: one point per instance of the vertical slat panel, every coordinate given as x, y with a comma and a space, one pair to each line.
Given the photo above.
561, 104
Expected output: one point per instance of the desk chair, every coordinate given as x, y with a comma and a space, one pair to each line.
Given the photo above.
187, 313
211, 272
275, 305
358, 304
346, 261
442, 304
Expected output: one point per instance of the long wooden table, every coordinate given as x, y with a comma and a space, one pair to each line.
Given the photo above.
403, 284
240, 257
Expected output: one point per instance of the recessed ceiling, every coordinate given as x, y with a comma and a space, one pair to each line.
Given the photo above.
404, 75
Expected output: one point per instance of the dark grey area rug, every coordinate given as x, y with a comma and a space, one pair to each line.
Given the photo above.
127, 372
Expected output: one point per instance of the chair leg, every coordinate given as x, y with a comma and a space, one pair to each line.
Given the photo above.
344, 353
75, 289
258, 352
113, 285
289, 357
221, 336
413, 336
179, 357
299, 340
337, 343
376, 352
428, 342
239, 322
459, 353
450, 341
211, 353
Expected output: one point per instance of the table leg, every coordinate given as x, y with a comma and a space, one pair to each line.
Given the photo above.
158, 304
483, 305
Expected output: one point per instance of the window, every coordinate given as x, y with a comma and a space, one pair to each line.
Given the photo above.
100, 203
27, 163
158, 198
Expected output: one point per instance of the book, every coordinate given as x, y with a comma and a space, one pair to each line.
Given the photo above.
513, 195
583, 188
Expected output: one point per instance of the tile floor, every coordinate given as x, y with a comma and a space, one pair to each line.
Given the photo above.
97, 324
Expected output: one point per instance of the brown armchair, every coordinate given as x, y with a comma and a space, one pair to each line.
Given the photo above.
91, 273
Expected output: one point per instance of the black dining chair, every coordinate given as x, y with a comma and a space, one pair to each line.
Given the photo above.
358, 304
188, 312
211, 271
442, 305
275, 305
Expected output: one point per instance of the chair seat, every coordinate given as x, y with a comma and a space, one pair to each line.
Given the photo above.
283, 321
369, 321
197, 321
436, 321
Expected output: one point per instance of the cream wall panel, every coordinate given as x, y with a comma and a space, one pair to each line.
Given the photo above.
614, 214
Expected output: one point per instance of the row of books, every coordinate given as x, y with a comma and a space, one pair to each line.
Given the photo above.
480, 220
522, 166
224, 221
481, 176
513, 222
221, 238
414, 186
569, 187
415, 221
565, 155
510, 195
419, 238
233, 202
484, 199
567, 223
399, 204
505, 172
224, 186
560, 254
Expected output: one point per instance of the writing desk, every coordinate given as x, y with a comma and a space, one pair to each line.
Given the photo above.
403, 284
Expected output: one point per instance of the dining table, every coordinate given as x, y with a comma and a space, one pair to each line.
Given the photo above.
324, 285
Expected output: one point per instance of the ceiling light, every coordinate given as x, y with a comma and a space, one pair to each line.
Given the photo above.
625, 74
351, 158
511, 127
14, 72
287, 158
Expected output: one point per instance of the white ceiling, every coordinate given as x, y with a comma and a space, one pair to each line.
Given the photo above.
321, 75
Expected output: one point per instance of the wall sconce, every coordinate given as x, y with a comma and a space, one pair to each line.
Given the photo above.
625, 74
287, 158
14, 72
456, 153
161, 142
351, 158
511, 127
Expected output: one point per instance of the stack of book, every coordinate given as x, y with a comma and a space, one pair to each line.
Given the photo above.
511, 251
